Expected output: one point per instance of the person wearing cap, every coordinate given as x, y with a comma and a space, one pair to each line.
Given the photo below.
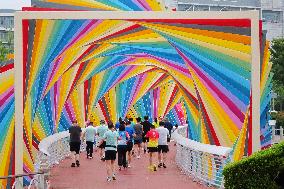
100, 133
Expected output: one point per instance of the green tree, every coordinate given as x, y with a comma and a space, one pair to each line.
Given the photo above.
277, 59
3, 52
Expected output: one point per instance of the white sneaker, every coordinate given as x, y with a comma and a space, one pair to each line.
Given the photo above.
109, 179
138, 157
129, 166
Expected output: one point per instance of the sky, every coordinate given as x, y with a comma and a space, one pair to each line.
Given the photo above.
14, 4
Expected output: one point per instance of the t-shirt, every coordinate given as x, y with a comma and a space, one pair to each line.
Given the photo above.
111, 138
75, 133
156, 124
101, 131
169, 126
123, 137
90, 133
146, 126
117, 125
138, 131
163, 135
130, 131
153, 136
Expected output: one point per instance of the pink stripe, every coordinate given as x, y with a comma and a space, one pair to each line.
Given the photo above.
202, 78
5, 93
145, 5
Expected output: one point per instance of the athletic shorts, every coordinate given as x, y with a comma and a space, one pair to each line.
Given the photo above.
110, 155
152, 149
163, 148
129, 146
145, 139
139, 141
103, 145
75, 147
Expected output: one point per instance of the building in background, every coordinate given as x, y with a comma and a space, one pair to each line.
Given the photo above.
7, 27
271, 10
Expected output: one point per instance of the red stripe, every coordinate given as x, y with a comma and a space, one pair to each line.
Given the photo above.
6, 67
86, 98
250, 128
103, 110
45, 9
119, 32
215, 22
25, 31
171, 98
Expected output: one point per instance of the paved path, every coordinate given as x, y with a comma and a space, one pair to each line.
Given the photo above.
92, 175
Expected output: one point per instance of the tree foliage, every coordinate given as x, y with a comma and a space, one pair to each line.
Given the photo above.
3, 52
277, 59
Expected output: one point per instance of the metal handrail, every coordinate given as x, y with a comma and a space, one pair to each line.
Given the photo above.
22, 175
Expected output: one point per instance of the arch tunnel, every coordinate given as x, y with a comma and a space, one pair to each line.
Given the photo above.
189, 70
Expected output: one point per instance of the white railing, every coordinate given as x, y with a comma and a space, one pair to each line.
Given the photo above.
53, 149
203, 162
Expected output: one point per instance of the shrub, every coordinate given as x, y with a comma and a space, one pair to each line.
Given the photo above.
260, 170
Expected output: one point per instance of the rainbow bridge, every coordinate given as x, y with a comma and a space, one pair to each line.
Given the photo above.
208, 71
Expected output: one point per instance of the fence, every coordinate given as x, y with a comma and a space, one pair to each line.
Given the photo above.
203, 162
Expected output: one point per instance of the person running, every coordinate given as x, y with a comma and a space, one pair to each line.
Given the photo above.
118, 123
146, 127
110, 137
138, 130
75, 142
169, 126
100, 133
163, 147
90, 133
122, 146
156, 123
129, 129
153, 136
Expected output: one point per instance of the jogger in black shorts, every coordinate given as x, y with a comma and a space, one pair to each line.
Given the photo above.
163, 147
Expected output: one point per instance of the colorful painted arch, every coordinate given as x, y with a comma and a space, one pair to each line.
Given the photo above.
194, 70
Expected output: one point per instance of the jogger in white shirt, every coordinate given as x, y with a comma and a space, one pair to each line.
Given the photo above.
163, 147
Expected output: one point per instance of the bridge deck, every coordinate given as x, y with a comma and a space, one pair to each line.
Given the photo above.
92, 175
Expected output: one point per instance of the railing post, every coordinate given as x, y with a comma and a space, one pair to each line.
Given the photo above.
281, 133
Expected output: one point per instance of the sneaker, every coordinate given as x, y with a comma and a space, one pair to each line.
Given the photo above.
108, 179
160, 165
77, 163
113, 177
73, 165
138, 157
150, 167
103, 159
164, 165
154, 168
129, 166
119, 168
91, 157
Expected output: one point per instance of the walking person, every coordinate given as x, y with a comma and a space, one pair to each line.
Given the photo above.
156, 123
110, 137
169, 126
138, 130
122, 146
146, 127
129, 129
101, 130
153, 136
163, 147
90, 133
75, 142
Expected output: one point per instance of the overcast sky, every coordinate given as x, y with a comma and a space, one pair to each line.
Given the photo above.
14, 4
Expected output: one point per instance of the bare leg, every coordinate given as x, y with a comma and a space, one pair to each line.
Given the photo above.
109, 168
73, 156
164, 157
159, 157
129, 157
150, 158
